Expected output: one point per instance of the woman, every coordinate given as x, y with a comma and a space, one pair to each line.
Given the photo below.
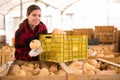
31, 28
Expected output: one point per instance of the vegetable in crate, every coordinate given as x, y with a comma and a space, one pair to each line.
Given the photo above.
17, 71
58, 31
53, 68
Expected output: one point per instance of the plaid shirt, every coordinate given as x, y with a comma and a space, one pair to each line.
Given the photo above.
23, 36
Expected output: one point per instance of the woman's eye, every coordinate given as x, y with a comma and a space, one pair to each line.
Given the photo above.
39, 15
34, 14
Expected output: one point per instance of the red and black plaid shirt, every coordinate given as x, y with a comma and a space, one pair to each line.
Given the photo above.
23, 36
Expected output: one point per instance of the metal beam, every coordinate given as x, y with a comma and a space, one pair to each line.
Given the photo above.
69, 6
21, 8
47, 4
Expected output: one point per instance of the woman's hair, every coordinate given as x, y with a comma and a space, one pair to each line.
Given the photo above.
31, 8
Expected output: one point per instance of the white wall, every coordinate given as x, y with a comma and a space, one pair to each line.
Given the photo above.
87, 14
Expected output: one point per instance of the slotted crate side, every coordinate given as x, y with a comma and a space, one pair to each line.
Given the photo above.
55, 49
6, 54
79, 47
106, 34
5, 57
105, 37
62, 48
83, 31
104, 29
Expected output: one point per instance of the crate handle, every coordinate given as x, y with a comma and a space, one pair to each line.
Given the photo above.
48, 36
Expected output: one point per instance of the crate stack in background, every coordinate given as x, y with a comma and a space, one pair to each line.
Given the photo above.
2, 40
117, 41
83, 31
63, 48
6, 54
105, 34
68, 32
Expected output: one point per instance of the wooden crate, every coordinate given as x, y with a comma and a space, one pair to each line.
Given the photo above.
106, 34
105, 37
72, 76
97, 77
69, 76
2, 39
6, 54
104, 29
5, 57
4, 70
69, 72
104, 77
117, 41
116, 46
76, 32
69, 32
34, 77
82, 31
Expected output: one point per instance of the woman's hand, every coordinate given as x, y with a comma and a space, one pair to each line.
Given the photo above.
35, 52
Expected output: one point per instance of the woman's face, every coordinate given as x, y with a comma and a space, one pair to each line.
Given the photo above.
34, 18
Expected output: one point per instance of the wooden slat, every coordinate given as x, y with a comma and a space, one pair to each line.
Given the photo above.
70, 73
4, 69
33, 78
104, 77
103, 60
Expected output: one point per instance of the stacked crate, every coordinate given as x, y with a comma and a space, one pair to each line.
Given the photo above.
2, 39
6, 54
82, 31
105, 34
68, 32
117, 41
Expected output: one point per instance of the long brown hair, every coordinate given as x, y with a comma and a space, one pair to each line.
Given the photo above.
31, 8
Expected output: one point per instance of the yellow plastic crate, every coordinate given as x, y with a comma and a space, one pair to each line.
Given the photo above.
62, 48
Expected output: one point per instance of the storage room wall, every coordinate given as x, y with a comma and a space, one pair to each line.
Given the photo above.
83, 14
